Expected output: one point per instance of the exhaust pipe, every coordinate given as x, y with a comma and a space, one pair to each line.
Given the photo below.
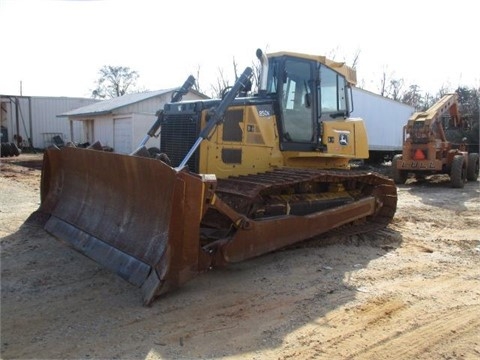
264, 71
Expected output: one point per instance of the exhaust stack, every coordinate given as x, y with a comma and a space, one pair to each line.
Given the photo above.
262, 89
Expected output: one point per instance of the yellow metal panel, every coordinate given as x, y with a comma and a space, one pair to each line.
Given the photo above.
346, 138
316, 160
258, 146
361, 139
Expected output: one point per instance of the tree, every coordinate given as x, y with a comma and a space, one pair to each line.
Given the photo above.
257, 72
395, 89
115, 81
390, 87
413, 97
196, 86
469, 107
223, 83
355, 60
383, 84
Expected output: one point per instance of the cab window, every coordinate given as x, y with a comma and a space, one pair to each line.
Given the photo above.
332, 91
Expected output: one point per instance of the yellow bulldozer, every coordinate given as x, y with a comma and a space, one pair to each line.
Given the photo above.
427, 151
233, 178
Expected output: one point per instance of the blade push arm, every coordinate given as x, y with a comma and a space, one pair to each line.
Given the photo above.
177, 96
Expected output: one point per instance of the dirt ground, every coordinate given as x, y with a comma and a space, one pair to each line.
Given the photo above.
411, 291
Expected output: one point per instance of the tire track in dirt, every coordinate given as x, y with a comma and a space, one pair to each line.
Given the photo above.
398, 334
418, 341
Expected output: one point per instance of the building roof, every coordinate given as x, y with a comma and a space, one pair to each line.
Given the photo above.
107, 106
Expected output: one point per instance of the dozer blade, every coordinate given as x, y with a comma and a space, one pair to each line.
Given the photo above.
136, 216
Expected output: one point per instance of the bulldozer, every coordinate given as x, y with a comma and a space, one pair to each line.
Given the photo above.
233, 178
427, 150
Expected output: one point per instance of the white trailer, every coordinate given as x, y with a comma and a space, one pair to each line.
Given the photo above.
384, 119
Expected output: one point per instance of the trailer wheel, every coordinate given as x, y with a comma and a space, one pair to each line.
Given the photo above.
399, 176
458, 173
473, 167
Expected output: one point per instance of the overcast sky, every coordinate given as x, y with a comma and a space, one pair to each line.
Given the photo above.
56, 48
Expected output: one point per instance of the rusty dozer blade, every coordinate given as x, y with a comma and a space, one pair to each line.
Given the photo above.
136, 216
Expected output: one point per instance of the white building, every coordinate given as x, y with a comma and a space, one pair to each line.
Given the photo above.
35, 120
121, 123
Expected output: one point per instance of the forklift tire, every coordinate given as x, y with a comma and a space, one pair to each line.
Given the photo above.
458, 173
473, 167
399, 176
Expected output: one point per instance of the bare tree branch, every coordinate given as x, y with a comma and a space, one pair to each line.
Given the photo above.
115, 81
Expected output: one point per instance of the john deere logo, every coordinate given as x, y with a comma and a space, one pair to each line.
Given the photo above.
343, 139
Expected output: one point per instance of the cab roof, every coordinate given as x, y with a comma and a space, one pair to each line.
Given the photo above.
340, 67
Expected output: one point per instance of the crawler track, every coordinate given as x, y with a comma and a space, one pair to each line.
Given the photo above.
304, 191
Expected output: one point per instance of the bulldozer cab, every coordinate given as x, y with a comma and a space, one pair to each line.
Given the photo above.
309, 92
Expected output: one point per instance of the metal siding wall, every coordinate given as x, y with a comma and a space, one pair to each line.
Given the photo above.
78, 133
149, 106
192, 96
103, 130
141, 124
384, 119
143, 114
46, 119
122, 135
23, 118
44, 111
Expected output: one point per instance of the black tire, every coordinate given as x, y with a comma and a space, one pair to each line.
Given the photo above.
164, 157
157, 154
14, 148
473, 167
153, 151
399, 176
6, 152
458, 172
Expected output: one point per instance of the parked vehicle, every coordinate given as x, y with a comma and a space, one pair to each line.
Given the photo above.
426, 149
233, 178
